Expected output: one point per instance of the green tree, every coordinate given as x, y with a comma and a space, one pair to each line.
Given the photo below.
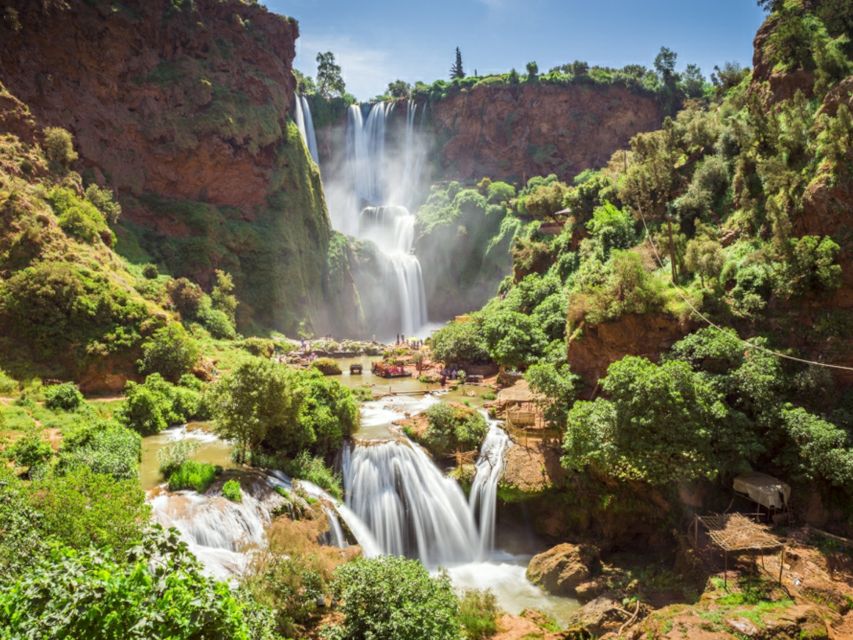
659, 424
222, 296
459, 343
186, 296
399, 89
692, 81
513, 339
532, 70
171, 352
705, 257
395, 597
256, 398
330, 83
456, 70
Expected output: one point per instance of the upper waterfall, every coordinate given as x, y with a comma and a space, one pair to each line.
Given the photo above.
305, 124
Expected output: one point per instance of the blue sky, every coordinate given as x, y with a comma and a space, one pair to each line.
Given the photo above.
376, 41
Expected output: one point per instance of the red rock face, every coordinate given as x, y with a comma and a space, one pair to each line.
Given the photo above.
536, 129
135, 86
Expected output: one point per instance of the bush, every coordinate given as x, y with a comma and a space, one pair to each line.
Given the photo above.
159, 592
174, 454
78, 217
512, 338
65, 396
661, 423
454, 427
150, 271
395, 597
194, 475
217, 323
327, 366
104, 200
151, 407
313, 469
231, 490
103, 447
459, 343
59, 149
260, 347
83, 508
478, 613
171, 352
186, 297
31, 451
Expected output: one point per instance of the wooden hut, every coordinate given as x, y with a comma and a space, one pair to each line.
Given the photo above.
522, 407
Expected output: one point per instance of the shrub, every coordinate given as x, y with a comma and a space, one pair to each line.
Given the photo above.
478, 613
7, 383
83, 508
194, 475
144, 410
31, 451
612, 227
65, 396
150, 271
222, 295
171, 352
217, 323
174, 454
327, 366
818, 449
395, 597
459, 343
267, 407
454, 427
105, 201
186, 297
78, 217
103, 447
59, 149
313, 469
512, 338
231, 490
661, 423
159, 592
260, 347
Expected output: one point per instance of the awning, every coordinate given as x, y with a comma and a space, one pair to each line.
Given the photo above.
766, 490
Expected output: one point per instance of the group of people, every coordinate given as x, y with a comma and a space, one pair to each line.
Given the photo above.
451, 373
413, 344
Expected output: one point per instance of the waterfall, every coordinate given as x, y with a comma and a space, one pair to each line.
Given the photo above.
484, 489
374, 177
217, 530
411, 508
305, 124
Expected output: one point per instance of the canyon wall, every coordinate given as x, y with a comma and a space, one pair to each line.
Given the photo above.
515, 132
182, 108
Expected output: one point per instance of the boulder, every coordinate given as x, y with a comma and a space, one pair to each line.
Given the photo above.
598, 617
561, 569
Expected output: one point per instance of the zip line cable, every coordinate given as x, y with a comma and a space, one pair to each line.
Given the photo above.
696, 311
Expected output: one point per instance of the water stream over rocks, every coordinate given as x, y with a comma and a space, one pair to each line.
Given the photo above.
398, 502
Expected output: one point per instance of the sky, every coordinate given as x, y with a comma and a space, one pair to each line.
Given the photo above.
377, 41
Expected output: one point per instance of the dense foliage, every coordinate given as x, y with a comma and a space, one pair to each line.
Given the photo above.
269, 408
453, 427
394, 598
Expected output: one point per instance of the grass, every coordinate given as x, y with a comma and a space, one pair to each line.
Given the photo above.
314, 470
478, 612
194, 475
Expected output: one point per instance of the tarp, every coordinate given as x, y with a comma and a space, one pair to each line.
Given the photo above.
766, 490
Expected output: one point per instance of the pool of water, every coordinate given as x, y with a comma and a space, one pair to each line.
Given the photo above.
210, 449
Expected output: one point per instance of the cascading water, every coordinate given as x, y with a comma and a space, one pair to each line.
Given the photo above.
375, 179
305, 124
483, 497
411, 508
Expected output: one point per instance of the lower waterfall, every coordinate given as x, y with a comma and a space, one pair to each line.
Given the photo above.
411, 508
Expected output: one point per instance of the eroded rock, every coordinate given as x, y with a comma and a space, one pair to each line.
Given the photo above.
561, 569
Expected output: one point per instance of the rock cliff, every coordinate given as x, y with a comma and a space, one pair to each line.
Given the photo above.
516, 132
182, 108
